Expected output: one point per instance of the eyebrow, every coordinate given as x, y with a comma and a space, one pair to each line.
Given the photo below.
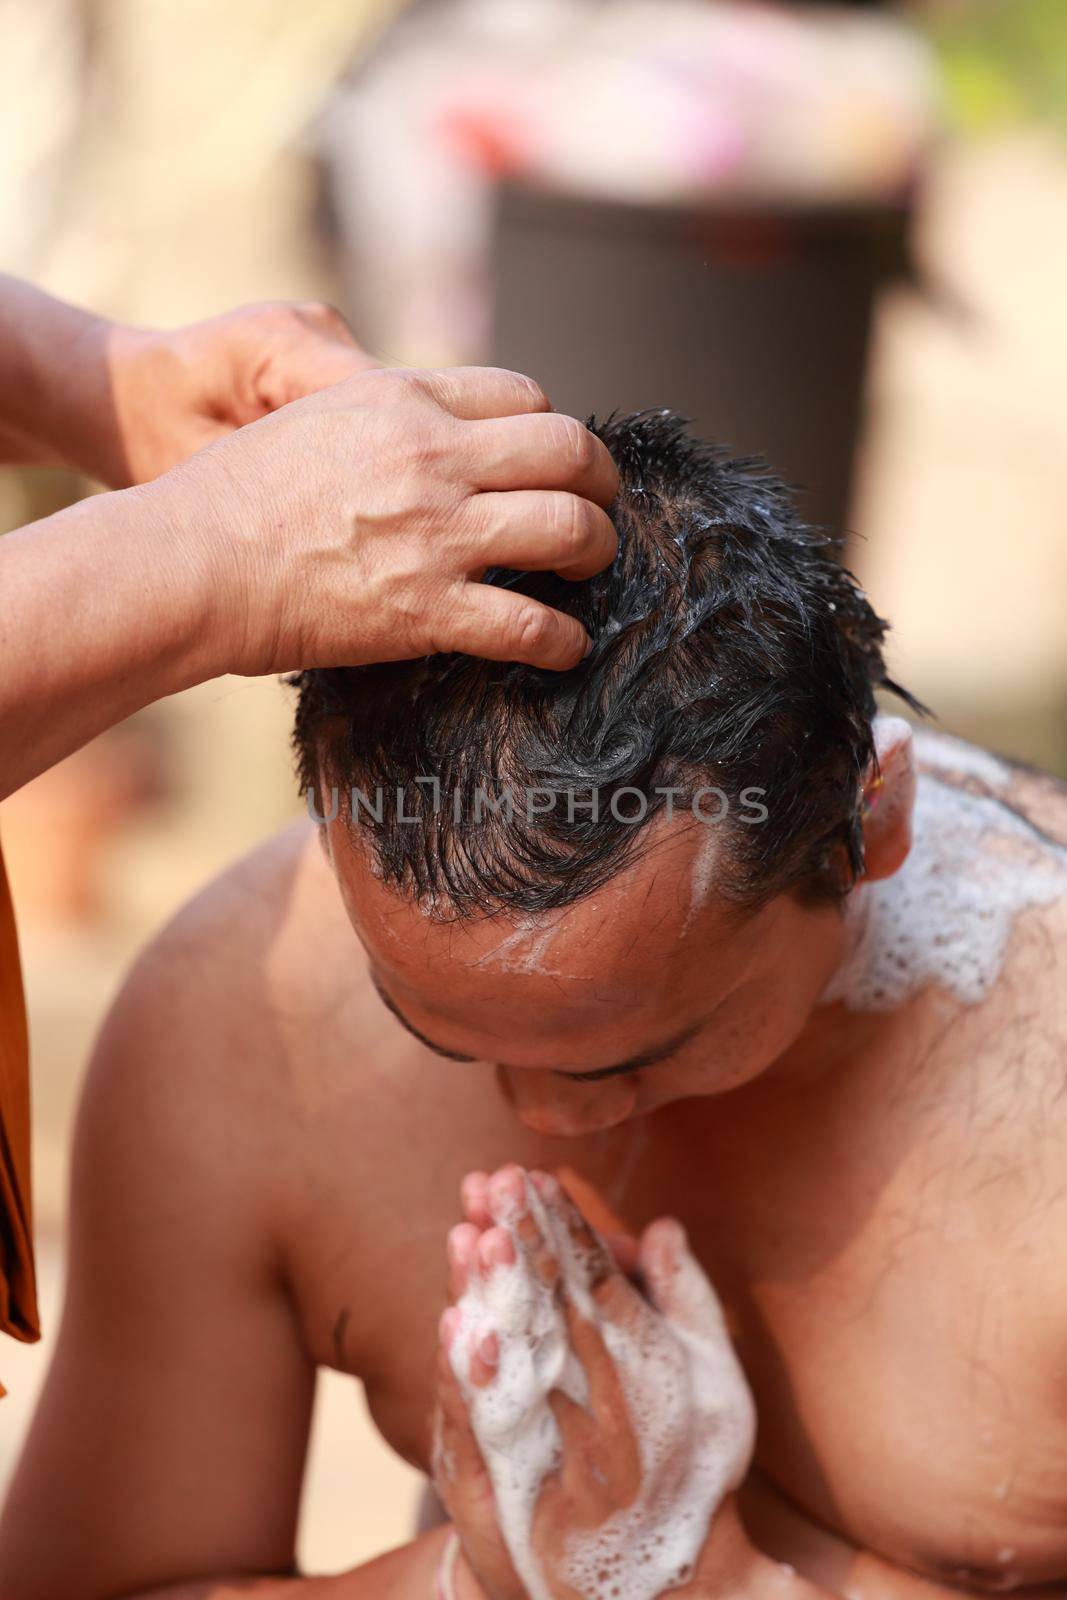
646, 1058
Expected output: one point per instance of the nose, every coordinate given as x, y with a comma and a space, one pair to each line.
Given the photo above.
550, 1103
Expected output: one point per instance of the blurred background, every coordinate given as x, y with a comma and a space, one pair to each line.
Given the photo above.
834, 235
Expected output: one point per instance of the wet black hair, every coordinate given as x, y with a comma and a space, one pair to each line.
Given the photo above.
731, 649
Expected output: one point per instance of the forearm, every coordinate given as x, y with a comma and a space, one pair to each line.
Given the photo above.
55, 397
408, 1573
103, 609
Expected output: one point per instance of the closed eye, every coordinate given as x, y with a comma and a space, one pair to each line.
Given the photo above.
621, 1069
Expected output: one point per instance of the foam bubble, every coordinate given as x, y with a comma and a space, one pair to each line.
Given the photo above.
947, 916
686, 1397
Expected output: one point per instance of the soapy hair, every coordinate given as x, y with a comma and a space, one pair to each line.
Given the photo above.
731, 649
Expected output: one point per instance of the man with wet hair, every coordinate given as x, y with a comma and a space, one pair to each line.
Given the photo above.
726, 957
732, 653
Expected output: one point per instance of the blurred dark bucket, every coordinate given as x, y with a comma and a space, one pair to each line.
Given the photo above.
755, 323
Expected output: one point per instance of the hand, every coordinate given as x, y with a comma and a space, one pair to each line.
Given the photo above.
610, 1493
355, 525
124, 404
172, 393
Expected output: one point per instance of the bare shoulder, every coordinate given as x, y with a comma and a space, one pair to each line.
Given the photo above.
1039, 798
179, 1341
205, 1054
1001, 845
248, 959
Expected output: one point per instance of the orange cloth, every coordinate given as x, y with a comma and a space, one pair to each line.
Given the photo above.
18, 1285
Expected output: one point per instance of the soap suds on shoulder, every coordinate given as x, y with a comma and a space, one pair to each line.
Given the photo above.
947, 916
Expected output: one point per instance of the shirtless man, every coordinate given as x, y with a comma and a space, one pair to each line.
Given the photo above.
841, 1066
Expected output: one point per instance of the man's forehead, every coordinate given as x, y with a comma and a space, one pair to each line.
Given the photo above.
638, 919
631, 965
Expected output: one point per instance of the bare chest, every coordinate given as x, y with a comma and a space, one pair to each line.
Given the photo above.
892, 1251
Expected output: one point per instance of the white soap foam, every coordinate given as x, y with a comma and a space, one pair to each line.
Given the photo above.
947, 916
688, 1404
526, 948
701, 874
964, 760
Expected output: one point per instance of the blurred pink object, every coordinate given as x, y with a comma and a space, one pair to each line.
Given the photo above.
645, 101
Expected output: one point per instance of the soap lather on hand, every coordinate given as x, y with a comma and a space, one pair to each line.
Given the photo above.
588, 1434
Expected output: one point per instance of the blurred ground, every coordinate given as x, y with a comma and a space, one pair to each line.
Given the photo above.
189, 194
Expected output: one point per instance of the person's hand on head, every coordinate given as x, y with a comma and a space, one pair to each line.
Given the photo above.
355, 525
281, 502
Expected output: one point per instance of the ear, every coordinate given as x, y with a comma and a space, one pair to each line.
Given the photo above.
888, 799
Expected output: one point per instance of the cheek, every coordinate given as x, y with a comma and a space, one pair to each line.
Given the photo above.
549, 1104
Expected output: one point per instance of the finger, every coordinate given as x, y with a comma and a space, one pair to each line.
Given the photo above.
314, 364
327, 320
474, 1199
460, 1249
510, 1204
624, 1248
542, 531
541, 452
605, 1390
503, 626
600, 1471
591, 1264
577, 1429
457, 1456
464, 1484
494, 1248
485, 1360
506, 1196
612, 1436
676, 1283
475, 393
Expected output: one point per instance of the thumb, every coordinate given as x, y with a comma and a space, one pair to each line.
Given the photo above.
317, 363
676, 1283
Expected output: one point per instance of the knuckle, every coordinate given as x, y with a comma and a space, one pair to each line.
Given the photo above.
321, 311
282, 316
530, 388
568, 526
399, 384
584, 533
532, 629
578, 443
392, 383
433, 452
377, 387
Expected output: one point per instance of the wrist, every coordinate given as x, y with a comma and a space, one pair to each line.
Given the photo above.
203, 539
166, 541
60, 386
